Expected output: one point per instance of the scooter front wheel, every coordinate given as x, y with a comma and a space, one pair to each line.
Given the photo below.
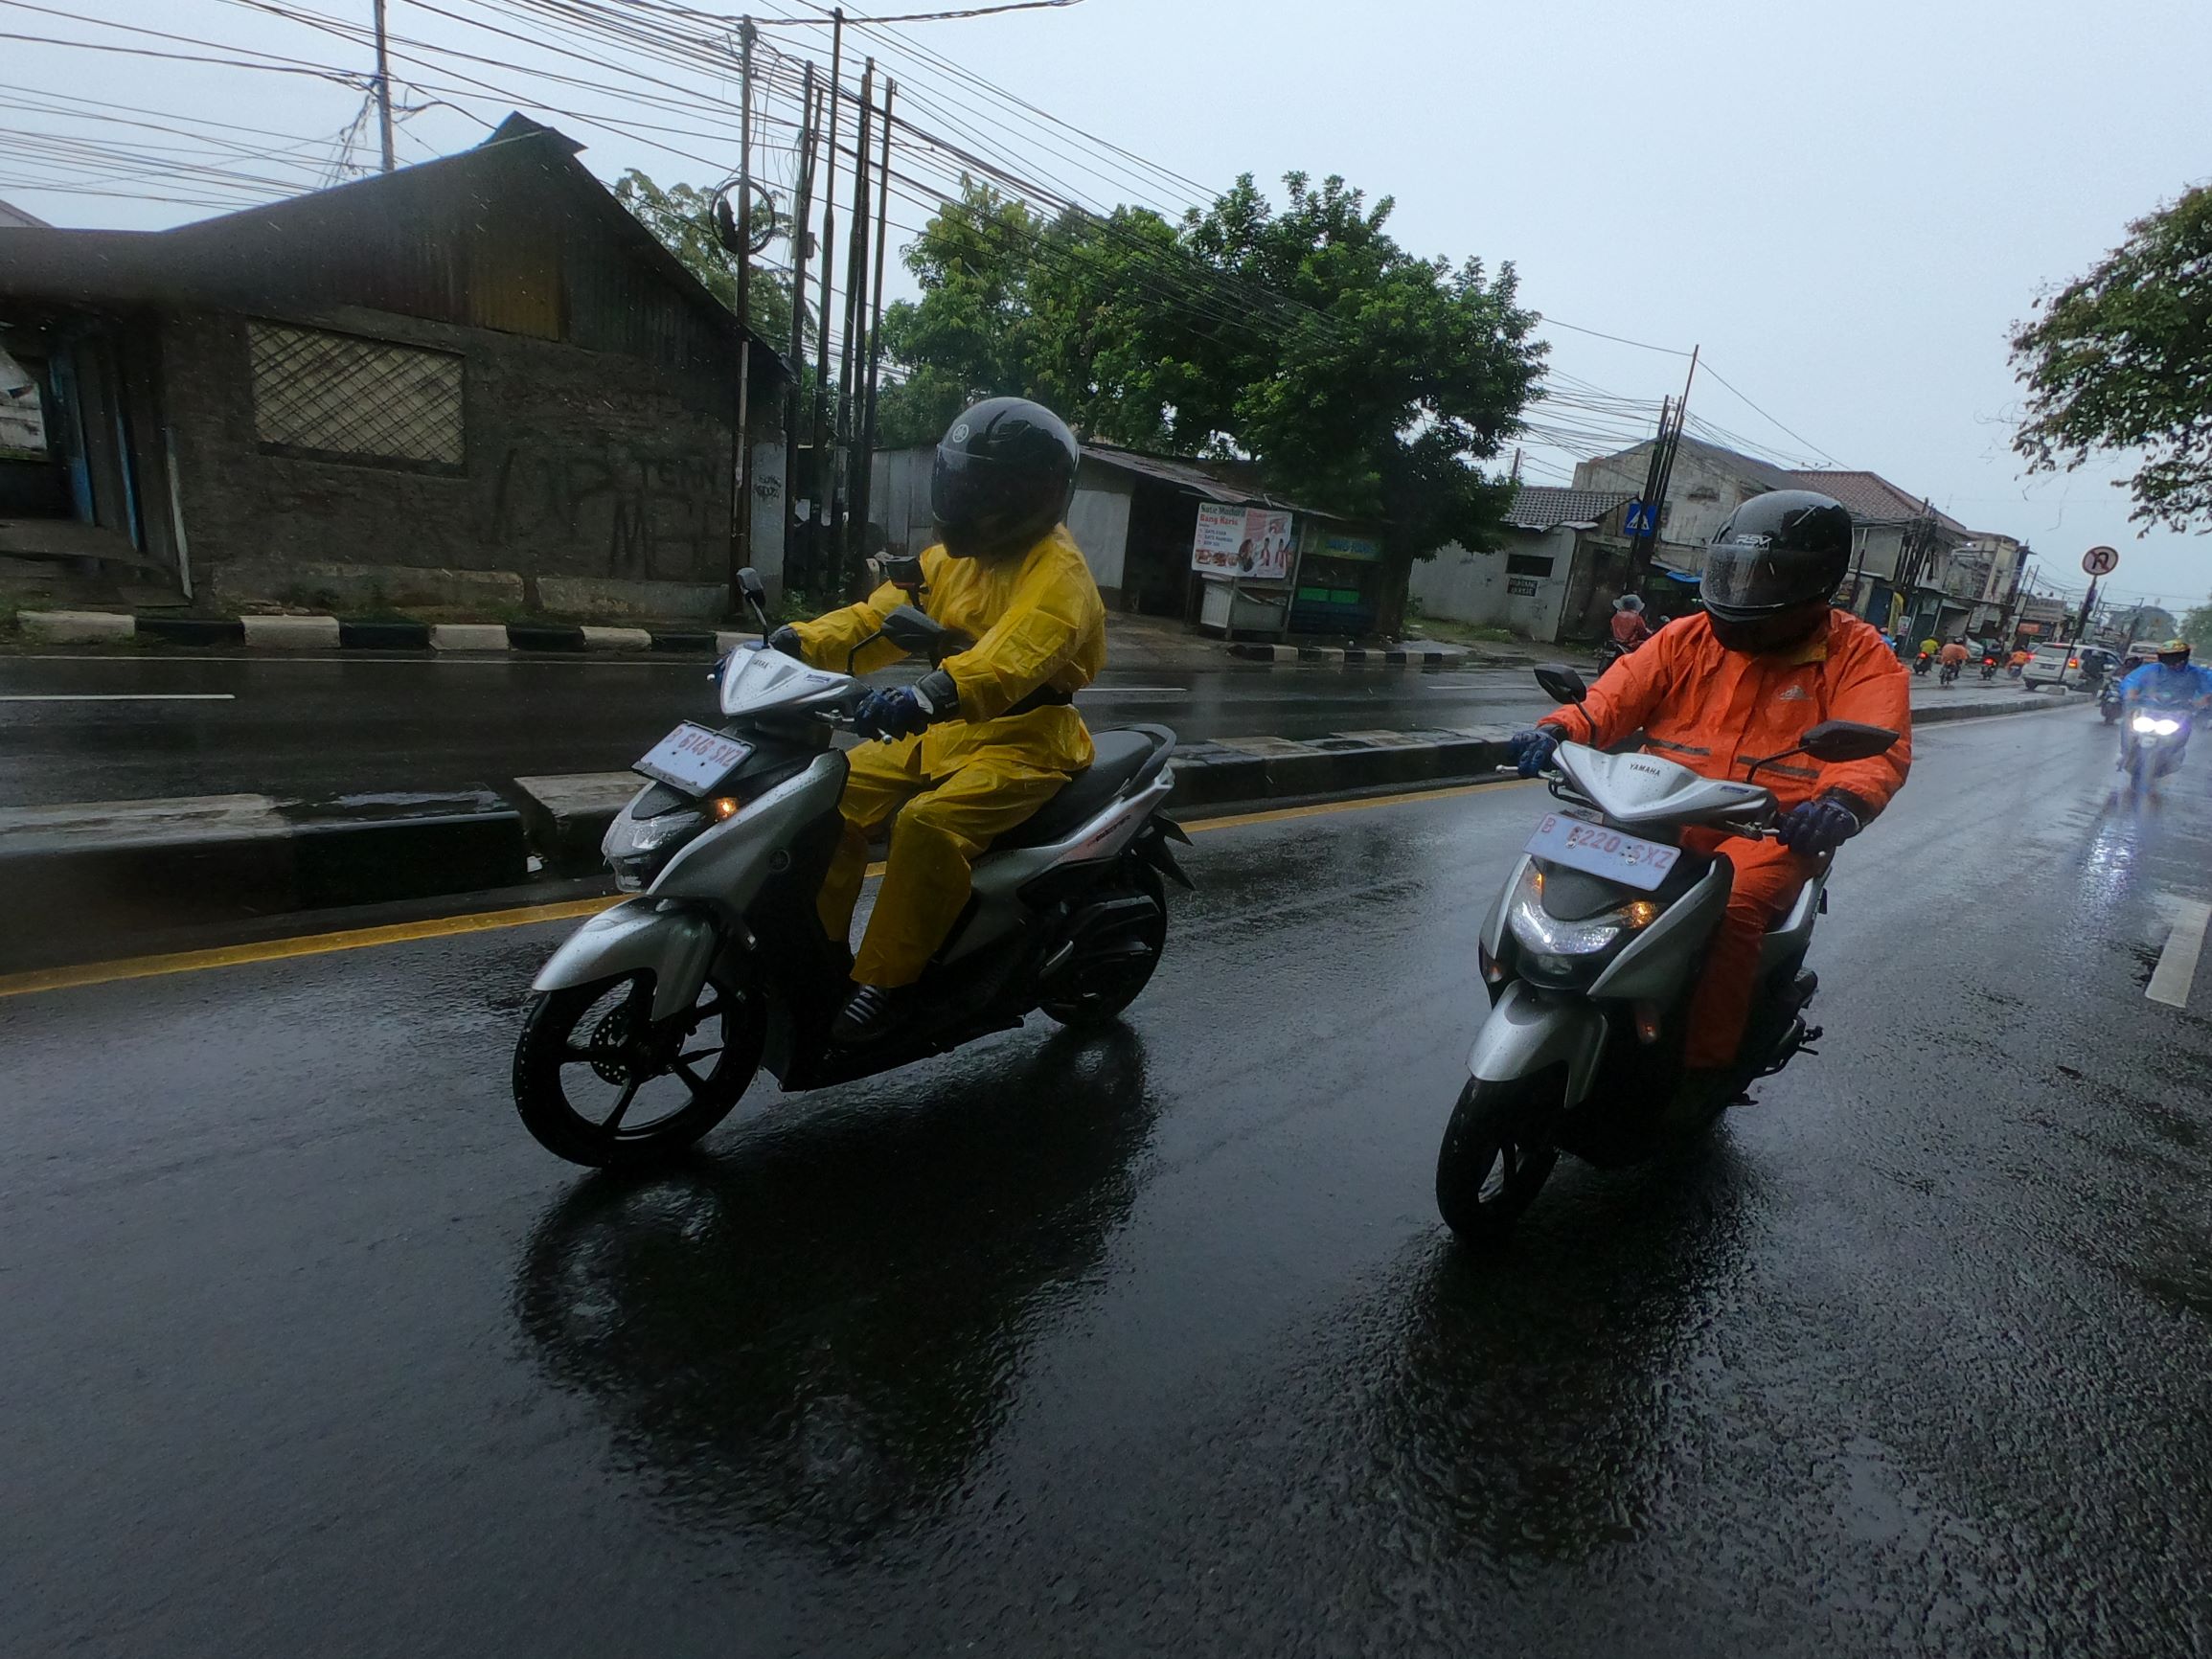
1495, 1157
598, 1081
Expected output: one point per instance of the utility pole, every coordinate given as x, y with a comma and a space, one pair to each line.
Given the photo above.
741, 476
795, 573
841, 535
864, 488
825, 465
384, 85
1641, 542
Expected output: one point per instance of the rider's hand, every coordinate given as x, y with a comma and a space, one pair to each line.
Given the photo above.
1531, 751
890, 714
786, 639
1814, 827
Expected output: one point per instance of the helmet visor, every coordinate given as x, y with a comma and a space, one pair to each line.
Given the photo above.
1752, 575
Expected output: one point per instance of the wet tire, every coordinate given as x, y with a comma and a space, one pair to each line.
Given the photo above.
1495, 1159
1113, 962
595, 1089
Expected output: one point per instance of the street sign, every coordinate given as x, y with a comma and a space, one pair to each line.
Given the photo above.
2101, 561
1639, 520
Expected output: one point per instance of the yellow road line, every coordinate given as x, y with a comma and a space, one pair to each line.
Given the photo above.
493, 921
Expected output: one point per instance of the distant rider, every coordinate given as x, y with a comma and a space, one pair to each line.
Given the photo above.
1766, 661
1629, 629
2170, 684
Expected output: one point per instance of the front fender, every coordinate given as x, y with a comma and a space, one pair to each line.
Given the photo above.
1528, 1031
675, 946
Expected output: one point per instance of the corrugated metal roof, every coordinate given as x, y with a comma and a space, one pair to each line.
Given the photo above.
1544, 506
1214, 480
1869, 496
514, 234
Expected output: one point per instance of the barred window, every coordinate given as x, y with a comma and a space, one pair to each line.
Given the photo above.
345, 397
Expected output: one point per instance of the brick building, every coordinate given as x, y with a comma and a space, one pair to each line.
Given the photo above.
475, 381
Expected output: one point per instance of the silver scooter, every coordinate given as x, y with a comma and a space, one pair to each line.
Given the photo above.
647, 1026
1590, 956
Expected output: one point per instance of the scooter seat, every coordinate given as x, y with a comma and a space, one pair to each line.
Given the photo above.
1124, 756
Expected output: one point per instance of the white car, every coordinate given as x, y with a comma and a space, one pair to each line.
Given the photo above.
2062, 664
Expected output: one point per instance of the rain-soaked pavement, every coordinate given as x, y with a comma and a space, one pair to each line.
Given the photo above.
1153, 1343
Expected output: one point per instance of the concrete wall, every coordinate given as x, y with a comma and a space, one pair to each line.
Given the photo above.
1477, 587
591, 480
1702, 493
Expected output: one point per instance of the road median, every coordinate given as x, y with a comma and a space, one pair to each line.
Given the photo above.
88, 876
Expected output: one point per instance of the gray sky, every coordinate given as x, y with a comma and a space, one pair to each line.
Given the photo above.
1845, 206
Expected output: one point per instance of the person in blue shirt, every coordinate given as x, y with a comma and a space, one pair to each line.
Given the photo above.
2171, 685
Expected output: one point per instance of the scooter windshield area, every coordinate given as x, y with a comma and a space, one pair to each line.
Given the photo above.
757, 681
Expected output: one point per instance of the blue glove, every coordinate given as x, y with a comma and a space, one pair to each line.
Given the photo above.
890, 714
1817, 827
1531, 751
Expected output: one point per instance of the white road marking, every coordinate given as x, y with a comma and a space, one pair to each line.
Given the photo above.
2176, 969
1111, 691
124, 697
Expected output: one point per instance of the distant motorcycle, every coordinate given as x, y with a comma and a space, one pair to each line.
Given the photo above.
1989, 669
1920, 664
1590, 956
2109, 704
1949, 674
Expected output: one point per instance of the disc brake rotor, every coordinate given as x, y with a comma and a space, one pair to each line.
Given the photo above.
609, 1045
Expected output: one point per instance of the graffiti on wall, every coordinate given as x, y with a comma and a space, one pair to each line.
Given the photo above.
652, 516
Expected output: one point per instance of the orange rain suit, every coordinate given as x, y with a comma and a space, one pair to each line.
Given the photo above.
1955, 653
1715, 711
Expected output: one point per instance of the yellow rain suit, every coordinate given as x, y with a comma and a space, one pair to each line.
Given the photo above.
1038, 626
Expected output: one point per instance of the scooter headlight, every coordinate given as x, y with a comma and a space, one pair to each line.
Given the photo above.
2156, 726
636, 848
1544, 935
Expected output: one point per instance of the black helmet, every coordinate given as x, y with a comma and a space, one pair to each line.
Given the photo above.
1771, 570
1005, 475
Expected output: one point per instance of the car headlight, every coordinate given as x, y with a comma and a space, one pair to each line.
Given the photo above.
1545, 935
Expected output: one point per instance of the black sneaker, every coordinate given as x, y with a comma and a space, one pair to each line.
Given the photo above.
866, 1017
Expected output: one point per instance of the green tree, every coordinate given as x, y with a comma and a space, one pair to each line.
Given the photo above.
2197, 627
682, 217
2117, 360
1355, 374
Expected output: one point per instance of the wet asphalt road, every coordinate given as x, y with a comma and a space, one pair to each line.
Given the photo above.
209, 724
1153, 1343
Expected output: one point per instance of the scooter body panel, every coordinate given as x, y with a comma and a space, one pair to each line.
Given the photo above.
1529, 1028
676, 946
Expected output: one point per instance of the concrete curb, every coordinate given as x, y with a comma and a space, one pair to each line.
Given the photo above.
283, 632
1352, 656
113, 869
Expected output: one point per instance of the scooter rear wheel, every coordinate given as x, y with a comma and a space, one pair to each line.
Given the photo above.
597, 1082
1495, 1157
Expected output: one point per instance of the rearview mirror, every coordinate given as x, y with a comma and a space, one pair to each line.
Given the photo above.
1833, 740
922, 635
1562, 683
750, 583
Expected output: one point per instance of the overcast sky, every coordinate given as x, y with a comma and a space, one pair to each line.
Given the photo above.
1845, 206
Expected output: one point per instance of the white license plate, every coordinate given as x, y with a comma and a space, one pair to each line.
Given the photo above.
1594, 848
694, 758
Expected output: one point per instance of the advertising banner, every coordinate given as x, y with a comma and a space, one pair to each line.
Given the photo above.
1252, 542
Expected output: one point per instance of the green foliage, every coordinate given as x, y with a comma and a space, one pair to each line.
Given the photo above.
1359, 376
2117, 361
682, 217
2197, 627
